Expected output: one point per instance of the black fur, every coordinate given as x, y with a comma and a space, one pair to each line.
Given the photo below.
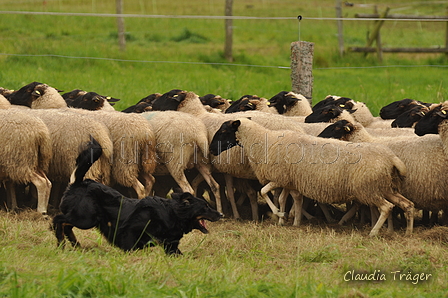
429, 124
396, 108
242, 104
169, 101
129, 224
212, 100
23, 96
338, 130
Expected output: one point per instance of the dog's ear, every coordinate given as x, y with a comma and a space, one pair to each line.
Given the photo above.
182, 197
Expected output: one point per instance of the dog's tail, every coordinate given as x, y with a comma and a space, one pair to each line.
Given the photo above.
85, 160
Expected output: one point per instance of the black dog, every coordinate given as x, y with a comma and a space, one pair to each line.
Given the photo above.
127, 223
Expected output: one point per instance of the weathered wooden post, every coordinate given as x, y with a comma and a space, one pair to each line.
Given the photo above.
229, 32
302, 68
120, 25
340, 28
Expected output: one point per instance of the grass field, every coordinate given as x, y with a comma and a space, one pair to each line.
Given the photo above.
237, 259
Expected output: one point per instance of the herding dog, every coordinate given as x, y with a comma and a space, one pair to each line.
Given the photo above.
129, 224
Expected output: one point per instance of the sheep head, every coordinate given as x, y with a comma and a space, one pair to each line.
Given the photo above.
338, 130
429, 124
225, 138
169, 101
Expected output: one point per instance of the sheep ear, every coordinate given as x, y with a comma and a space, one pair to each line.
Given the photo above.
442, 113
347, 128
236, 124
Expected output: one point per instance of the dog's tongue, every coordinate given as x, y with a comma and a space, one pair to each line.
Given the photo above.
203, 224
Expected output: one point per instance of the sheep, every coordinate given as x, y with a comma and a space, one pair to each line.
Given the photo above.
38, 96
23, 96
134, 144
359, 111
424, 157
182, 144
244, 104
215, 102
235, 165
284, 102
396, 108
291, 104
367, 173
410, 117
138, 108
68, 131
81, 99
25, 155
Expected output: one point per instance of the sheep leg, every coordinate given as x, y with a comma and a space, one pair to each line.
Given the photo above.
267, 188
181, 180
390, 222
350, 213
374, 215
306, 202
196, 181
43, 186
252, 194
277, 194
11, 198
214, 186
385, 207
139, 188
282, 203
408, 208
148, 181
231, 195
298, 202
326, 212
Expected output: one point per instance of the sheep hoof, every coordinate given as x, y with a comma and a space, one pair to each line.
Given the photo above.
281, 214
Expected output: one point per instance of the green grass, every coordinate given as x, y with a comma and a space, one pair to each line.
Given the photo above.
188, 53
236, 259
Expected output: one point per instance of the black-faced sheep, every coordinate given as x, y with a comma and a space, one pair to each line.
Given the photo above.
38, 96
325, 170
89, 100
396, 108
234, 164
291, 104
25, 155
215, 102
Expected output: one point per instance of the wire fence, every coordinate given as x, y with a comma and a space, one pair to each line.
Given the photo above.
299, 19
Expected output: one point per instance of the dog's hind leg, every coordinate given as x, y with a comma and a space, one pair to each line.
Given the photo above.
58, 227
68, 232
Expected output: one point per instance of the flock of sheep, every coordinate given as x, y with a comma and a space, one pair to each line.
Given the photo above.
277, 148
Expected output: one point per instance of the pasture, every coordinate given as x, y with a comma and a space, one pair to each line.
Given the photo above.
237, 259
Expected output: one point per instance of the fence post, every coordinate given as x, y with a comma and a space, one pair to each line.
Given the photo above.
229, 32
340, 28
302, 68
446, 35
120, 25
